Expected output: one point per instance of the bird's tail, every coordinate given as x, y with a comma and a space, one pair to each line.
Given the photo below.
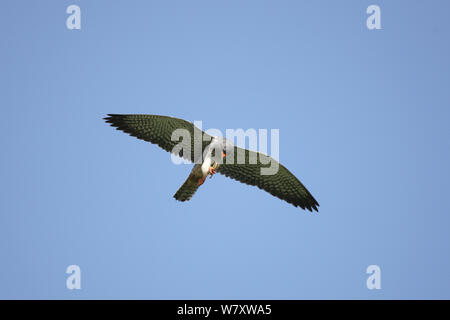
188, 189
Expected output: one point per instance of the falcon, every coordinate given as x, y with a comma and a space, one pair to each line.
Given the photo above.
212, 154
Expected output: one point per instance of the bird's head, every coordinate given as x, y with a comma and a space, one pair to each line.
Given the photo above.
220, 148
227, 146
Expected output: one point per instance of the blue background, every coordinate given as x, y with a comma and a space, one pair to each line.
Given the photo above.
364, 123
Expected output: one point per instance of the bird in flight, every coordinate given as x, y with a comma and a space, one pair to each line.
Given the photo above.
213, 154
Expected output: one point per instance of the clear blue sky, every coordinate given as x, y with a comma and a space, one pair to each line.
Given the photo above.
364, 123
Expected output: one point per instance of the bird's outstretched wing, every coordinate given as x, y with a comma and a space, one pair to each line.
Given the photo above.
283, 184
159, 129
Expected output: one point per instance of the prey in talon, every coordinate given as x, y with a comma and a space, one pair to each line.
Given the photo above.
215, 165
